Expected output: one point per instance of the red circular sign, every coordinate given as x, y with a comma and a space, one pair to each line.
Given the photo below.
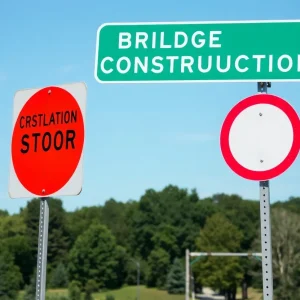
47, 141
226, 150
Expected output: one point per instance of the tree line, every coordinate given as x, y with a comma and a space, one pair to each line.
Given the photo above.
95, 248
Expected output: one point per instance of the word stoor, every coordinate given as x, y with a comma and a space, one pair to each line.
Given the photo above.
47, 141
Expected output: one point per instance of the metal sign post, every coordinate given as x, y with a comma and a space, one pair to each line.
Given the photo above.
187, 274
265, 223
28, 178
42, 250
240, 131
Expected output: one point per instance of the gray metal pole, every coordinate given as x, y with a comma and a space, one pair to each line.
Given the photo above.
187, 274
42, 250
265, 222
193, 286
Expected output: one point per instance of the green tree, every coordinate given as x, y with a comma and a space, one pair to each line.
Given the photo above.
166, 238
14, 240
81, 219
58, 245
286, 254
10, 277
31, 215
74, 290
176, 278
59, 277
95, 256
172, 209
292, 204
121, 256
244, 214
159, 263
30, 289
3, 213
131, 267
113, 215
225, 274
58, 236
90, 288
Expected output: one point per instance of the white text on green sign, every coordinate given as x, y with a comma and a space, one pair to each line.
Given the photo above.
198, 51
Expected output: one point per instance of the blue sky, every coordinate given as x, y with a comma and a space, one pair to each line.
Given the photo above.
137, 136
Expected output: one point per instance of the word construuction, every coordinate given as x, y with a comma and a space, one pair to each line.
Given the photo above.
192, 64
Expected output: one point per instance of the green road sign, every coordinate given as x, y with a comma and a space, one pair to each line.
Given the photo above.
198, 52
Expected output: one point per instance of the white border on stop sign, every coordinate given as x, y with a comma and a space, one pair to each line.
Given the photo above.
74, 186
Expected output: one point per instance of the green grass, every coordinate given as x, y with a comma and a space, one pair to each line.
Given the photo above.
129, 293
126, 293
252, 294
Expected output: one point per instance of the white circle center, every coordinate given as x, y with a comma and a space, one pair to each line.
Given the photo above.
261, 137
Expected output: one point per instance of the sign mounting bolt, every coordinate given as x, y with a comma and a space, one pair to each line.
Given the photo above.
261, 161
49, 92
260, 114
43, 191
